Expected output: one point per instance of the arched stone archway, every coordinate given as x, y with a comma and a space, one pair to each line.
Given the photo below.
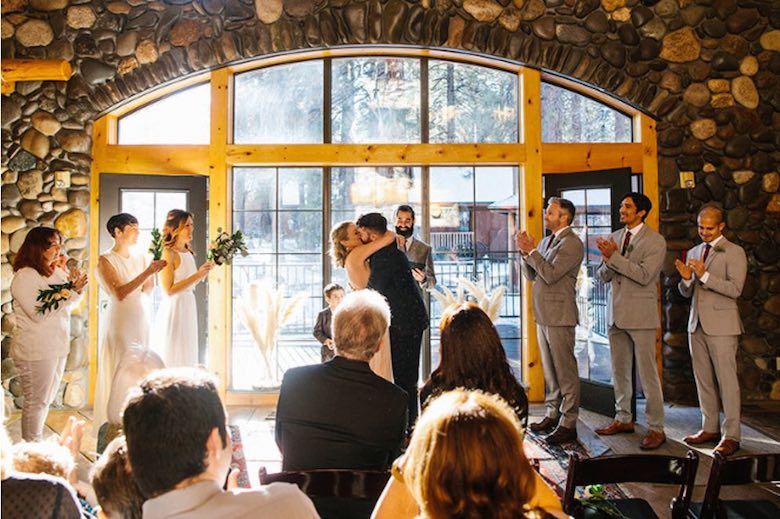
708, 70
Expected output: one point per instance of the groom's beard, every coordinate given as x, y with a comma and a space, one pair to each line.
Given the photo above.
406, 232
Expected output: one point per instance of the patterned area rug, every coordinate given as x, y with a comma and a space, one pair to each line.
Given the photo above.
552, 462
238, 460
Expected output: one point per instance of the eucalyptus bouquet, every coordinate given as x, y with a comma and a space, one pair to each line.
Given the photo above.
224, 247
50, 298
156, 247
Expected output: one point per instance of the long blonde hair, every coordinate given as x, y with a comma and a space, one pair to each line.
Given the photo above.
174, 223
466, 459
337, 250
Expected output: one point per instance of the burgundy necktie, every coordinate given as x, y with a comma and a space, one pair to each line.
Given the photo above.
626, 240
549, 243
707, 248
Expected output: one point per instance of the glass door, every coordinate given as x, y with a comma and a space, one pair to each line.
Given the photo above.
596, 196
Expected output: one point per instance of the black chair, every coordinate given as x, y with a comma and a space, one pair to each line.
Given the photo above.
759, 468
638, 468
336, 493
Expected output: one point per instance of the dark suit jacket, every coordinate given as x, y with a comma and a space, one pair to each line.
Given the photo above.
391, 276
339, 415
322, 329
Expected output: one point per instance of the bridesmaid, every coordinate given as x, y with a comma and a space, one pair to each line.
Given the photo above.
177, 318
40, 343
126, 278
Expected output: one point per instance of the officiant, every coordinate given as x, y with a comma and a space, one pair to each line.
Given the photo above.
44, 295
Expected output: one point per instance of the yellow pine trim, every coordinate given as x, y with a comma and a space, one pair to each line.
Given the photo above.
565, 158
153, 159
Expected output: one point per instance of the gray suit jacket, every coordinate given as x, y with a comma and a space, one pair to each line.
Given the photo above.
714, 303
420, 252
633, 280
554, 275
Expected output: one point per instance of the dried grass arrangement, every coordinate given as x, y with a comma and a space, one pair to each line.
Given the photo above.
489, 302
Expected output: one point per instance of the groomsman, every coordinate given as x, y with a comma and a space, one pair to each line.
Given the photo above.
417, 251
553, 268
632, 270
714, 275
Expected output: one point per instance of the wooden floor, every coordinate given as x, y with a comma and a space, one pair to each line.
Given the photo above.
256, 425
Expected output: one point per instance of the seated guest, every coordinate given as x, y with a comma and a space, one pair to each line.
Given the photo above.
472, 357
466, 459
333, 293
180, 450
33, 495
116, 490
340, 414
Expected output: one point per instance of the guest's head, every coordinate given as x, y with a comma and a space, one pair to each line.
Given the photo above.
466, 459
115, 488
43, 457
124, 227
559, 213
177, 229
344, 237
176, 429
334, 294
404, 220
371, 226
634, 208
359, 324
710, 222
472, 356
40, 250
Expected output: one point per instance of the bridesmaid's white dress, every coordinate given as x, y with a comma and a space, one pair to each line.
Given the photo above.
177, 320
126, 326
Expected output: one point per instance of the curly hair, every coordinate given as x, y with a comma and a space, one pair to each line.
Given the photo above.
338, 251
472, 357
465, 460
174, 223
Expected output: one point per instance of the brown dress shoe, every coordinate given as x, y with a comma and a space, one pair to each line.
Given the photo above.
652, 440
616, 427
560, 435
547, 424
702, 437
726, 447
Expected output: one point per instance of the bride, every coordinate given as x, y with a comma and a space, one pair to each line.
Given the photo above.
350, 253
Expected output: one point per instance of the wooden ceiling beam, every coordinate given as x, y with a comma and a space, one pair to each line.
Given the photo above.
14, 70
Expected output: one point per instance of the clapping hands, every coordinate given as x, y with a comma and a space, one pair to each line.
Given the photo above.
693, 266
606, 247
78, 278
525, 242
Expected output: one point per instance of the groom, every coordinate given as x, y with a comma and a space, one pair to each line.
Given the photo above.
391, 276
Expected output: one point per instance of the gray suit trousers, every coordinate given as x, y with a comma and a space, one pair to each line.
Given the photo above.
562, 396
624, 345
715, 370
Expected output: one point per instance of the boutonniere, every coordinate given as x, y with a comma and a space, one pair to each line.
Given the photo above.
224, 247
50, 298
156, 247
718, 248
629, 248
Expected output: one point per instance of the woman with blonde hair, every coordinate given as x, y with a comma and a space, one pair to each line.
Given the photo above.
466, 460
350, 253
177, 318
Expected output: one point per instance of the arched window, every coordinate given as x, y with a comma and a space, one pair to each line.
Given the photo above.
571, 117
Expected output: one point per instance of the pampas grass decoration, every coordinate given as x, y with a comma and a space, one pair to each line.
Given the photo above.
264, 311
490, 303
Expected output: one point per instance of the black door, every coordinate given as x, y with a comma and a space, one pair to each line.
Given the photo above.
597, 196
149, 198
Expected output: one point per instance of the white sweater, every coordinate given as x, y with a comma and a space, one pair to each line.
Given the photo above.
40, 336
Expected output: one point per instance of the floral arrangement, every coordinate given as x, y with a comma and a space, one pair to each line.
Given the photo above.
490, 303
595, 498
50, 298
224, 247
156, 247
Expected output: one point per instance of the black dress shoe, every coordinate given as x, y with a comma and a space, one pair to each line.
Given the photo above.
560, 435
547, 424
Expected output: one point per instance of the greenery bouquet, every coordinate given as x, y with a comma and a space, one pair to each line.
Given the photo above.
156, 247
224, 247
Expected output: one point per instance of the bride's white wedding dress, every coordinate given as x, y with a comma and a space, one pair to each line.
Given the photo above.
126, 325
177, 320
382, 361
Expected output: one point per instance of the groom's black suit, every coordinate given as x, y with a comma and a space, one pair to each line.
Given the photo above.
391, 276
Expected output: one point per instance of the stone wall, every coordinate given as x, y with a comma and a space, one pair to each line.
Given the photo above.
707, 69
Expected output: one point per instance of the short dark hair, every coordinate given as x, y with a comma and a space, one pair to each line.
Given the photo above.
120, 221
712, 207
566, 205
373, 222
403, 208
167, 421
641, 202
330, 288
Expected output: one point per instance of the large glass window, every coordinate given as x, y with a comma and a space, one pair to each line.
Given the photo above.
376, 100
280, 104
473, 220
180, 118
571, 117
469, 103
280, 211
